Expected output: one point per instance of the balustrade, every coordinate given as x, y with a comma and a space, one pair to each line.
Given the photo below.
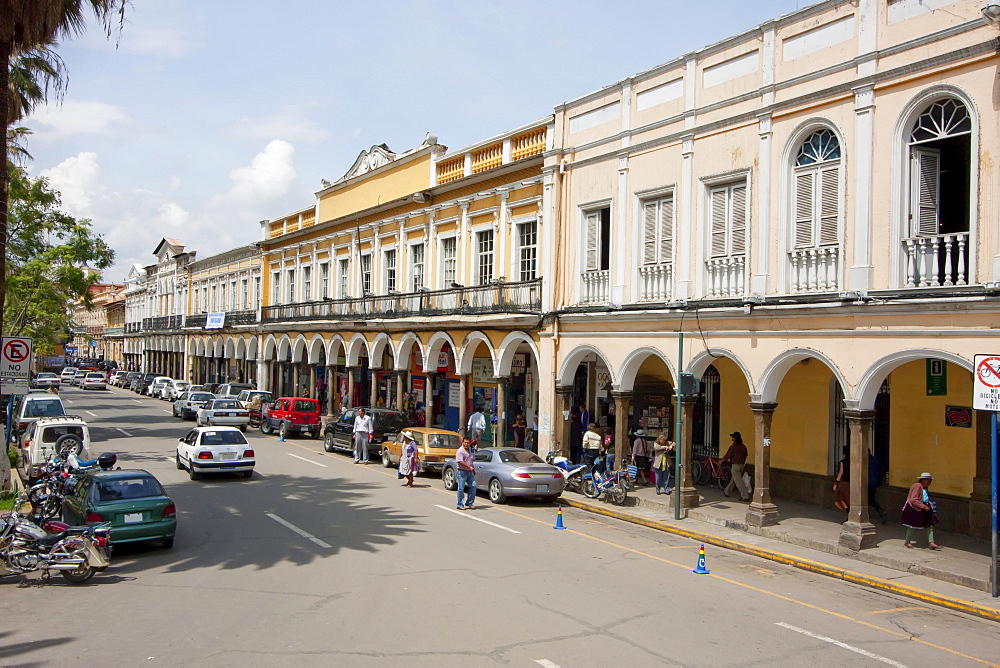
656, 282
596, 287
726, 276
936, 260
814, 269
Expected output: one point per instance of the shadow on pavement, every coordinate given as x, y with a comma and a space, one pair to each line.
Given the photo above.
8, 649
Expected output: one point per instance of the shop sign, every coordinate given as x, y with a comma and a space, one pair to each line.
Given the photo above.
937, 378
454, 395
518, 365
443, 360
958, 416
482, 370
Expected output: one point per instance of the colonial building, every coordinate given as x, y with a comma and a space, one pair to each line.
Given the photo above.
93, 337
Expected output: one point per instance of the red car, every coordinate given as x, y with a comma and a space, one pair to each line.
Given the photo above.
290, 416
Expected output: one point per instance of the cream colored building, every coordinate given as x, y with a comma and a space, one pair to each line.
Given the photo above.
814, 204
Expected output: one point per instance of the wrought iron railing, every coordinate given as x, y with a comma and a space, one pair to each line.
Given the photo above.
162, 322
233, 319
133, 327
499, 297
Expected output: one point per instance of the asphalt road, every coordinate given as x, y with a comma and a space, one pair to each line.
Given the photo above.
316, 561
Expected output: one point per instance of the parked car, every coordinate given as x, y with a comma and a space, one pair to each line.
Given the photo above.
30, 407
228, 412
155, 388
175, 388
434, 445
48, 436
126, 380
115, 376
133, 501
215, 450
232, 389
505, 472
66, 375
94, 380
386, 424
45, 379
187, 405
140, 384
80, 375
246, 397
290, 416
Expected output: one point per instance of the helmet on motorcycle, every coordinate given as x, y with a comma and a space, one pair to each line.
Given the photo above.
107, 460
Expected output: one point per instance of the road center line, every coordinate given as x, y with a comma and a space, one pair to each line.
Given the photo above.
473, 517
850, 648
137, 401
89, 412
123, 431
546, 663
304, 534
306, 460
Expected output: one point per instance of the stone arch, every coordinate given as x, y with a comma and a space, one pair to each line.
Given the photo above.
284, 348
405, 348
770, 380
270, 347
508, 347
337, 341
568, 367
632, 364
316, 346
699, 365
299, 346
252, 348
218, 347
241, 348
872, 379
434, 346
229, 348
377, 349
469, 346
355, 346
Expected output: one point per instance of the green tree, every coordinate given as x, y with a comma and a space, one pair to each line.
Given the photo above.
45, 251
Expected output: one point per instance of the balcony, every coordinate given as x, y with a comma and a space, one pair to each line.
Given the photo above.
936, 260
726, 276
814, 269
233, 319
112, 332
162, 322
524, 297
133, 327
596, 287
518, 145
655, 282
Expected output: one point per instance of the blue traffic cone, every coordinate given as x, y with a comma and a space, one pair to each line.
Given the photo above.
559, 520
281, 436
700, 569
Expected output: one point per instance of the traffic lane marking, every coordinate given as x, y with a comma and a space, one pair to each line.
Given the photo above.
546, 663
123, 431
301, 532
904, 609
843, 645
306, 460
468, 515
89, 412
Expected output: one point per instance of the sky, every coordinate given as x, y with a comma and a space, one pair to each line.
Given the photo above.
204, 117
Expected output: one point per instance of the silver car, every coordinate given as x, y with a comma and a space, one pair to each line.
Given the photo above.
187, 405
506, 472
224, 412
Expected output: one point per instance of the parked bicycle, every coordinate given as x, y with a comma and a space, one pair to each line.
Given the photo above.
614, 485
704, 471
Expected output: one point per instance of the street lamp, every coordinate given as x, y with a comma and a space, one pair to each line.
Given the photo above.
991, 13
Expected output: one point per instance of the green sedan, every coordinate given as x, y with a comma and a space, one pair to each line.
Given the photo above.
132, 500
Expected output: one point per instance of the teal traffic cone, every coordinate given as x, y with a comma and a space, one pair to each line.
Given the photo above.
281, 436
559, 520
700, 568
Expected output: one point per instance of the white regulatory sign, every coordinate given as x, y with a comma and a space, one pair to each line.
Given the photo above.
15, 357
986, 383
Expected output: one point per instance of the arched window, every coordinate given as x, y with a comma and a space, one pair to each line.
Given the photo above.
940, 145
817, 190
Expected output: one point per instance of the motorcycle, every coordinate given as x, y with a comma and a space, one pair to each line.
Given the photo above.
614, 486
58, 479
77, 552
574, 472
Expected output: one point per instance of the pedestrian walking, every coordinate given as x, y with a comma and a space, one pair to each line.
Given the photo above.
518, 429
362, 431
409, 459
736, 455
874, 481
663, 464
477, 424
466, 463
592, 441
640, 456
842, 481
919, 512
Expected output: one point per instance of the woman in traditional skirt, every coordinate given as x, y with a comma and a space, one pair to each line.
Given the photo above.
919, 512
409, 460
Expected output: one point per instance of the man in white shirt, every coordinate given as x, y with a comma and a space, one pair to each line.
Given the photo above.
477, 425
362, 430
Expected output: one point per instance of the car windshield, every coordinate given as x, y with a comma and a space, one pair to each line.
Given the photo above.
520, 457
223, 438
447, 441
181, 383
300, 406
227, 403
389, 422
43, 408
201, 396
117, 489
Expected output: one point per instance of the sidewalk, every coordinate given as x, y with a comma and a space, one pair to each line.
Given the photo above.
806, 537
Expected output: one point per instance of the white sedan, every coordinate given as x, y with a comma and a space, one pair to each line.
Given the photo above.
215, 450
94, 380
227, 412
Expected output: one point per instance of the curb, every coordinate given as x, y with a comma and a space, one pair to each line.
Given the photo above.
956, 604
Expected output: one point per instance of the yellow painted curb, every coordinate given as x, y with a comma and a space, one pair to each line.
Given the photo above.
956, 604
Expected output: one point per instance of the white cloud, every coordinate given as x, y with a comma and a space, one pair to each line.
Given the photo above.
77, 179
173, 214
288, 122
53, 122
269, 175
162, 41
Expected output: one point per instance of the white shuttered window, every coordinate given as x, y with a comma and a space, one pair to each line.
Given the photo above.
925, 171
817, 191
658, 231
728, 216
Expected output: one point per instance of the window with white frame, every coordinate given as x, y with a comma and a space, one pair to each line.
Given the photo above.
817, 190
345, 274
275, 288
244, 294
417, 251
222, 297
484, 255
196, 307
597, 231
256, 292
233, 296
389, 261
449, 258
290, 285
324, 280
658, 230
527, 236
214, 295
306, 283
366, 274
728, 219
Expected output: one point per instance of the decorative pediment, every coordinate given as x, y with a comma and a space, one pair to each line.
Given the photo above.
168, 248
373, 158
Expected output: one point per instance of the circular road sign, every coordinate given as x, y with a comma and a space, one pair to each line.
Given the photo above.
988, 372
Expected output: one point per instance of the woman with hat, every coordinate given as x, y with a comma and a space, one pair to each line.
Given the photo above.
409, 461
919, 512
640, 455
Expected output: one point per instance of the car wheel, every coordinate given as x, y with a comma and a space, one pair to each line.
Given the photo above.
68, 443
282, 431
448, 477
496, 492
248, 474
316, 433
243, 428
194, 475
174, 411
168, 543
177, 456
265, 428
328, 441
386, 458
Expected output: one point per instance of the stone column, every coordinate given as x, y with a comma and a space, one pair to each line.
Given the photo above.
688, 494
858, 533
564, 396
463, 404
762, 512
623, 401
331, 389
350, 385
312, 382
429, 399
500, 433
262, 380
400, 389
373, 388
295, 379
